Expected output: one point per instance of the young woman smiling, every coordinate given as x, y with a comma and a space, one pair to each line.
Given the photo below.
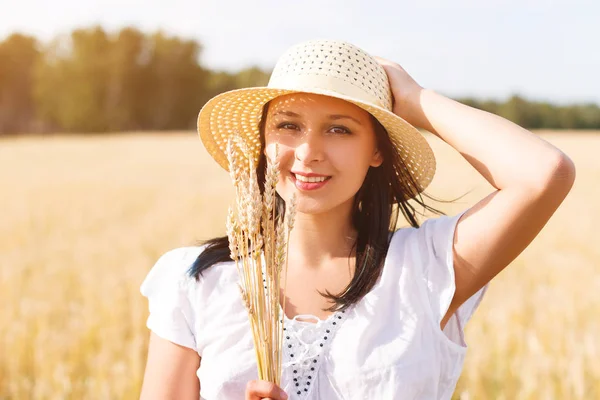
372, 312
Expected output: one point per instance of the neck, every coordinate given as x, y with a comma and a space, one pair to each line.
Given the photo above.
319, 239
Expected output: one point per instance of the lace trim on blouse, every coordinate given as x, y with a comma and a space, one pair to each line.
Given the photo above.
304, 346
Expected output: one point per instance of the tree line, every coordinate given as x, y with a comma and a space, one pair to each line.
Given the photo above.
92, 80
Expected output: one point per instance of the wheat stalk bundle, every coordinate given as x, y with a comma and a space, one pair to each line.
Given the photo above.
258, 240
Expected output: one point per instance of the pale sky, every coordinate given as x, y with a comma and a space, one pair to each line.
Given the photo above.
542, 49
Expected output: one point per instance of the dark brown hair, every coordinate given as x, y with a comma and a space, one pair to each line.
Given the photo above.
383, 195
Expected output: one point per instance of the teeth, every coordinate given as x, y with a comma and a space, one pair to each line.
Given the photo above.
311, 178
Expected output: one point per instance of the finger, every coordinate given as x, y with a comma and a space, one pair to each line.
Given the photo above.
382, 60
258, 390
379, 59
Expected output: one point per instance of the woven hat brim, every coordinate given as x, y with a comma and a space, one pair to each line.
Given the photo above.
238, 112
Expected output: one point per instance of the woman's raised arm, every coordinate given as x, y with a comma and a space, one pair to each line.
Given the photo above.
532, 177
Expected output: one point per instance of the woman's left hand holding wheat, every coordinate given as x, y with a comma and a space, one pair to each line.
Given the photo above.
264, 390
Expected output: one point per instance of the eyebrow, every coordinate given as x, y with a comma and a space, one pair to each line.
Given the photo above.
332, 116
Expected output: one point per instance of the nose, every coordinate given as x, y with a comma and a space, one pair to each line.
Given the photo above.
310, 148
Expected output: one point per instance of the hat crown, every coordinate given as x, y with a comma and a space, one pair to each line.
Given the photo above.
333, 66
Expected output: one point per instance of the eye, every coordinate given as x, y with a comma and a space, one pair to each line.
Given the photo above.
341, 130
287, 125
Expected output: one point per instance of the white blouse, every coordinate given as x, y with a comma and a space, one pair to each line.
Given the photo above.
387, 346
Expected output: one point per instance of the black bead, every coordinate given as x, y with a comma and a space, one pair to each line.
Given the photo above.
321, 345
289, 346
297, 384
325, 331
287, 337
295, 371
295, 379
312, 369
334, 323
309, 377
305, 389
291, 355
299, 392
325, 338
314, 361
308, 383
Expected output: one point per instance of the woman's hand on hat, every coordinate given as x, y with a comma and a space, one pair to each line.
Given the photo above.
260, 390
405, 90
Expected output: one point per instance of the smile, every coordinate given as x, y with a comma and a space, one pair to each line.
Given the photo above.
311, 178
303, 182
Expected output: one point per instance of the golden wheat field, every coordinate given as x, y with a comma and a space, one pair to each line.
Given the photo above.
84, 219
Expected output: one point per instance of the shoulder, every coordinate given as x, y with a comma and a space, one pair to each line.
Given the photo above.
181, 256
433, 237
173, 272
168, 289
426, 252
171, 269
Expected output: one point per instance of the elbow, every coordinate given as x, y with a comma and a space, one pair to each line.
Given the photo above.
560, 175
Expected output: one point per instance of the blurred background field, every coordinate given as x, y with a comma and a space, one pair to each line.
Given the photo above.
101, 171
85, 217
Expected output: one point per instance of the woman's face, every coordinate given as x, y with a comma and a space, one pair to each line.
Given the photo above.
326, 146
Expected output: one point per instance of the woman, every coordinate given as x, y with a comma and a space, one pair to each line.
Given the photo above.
371, 312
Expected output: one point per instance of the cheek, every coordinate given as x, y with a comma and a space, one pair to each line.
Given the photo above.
353, 164
285, 154
270, 150
355, 158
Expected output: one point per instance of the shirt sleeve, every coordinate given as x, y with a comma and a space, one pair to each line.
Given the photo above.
167, 288
436, 236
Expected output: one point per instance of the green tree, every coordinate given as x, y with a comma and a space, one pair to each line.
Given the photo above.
250, 77
174, 83
126, 68
94, 81
73, 80
18, 56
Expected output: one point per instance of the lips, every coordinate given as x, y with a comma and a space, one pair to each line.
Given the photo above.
309, 181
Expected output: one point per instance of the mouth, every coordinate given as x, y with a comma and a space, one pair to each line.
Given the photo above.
309, 181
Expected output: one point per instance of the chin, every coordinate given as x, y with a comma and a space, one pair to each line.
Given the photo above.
309, 206
311, 209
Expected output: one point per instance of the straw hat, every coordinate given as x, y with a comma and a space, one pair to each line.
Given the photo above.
327, 67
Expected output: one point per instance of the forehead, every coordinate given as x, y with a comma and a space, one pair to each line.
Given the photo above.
315, 103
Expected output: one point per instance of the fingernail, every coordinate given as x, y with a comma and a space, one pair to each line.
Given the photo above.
282, 394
